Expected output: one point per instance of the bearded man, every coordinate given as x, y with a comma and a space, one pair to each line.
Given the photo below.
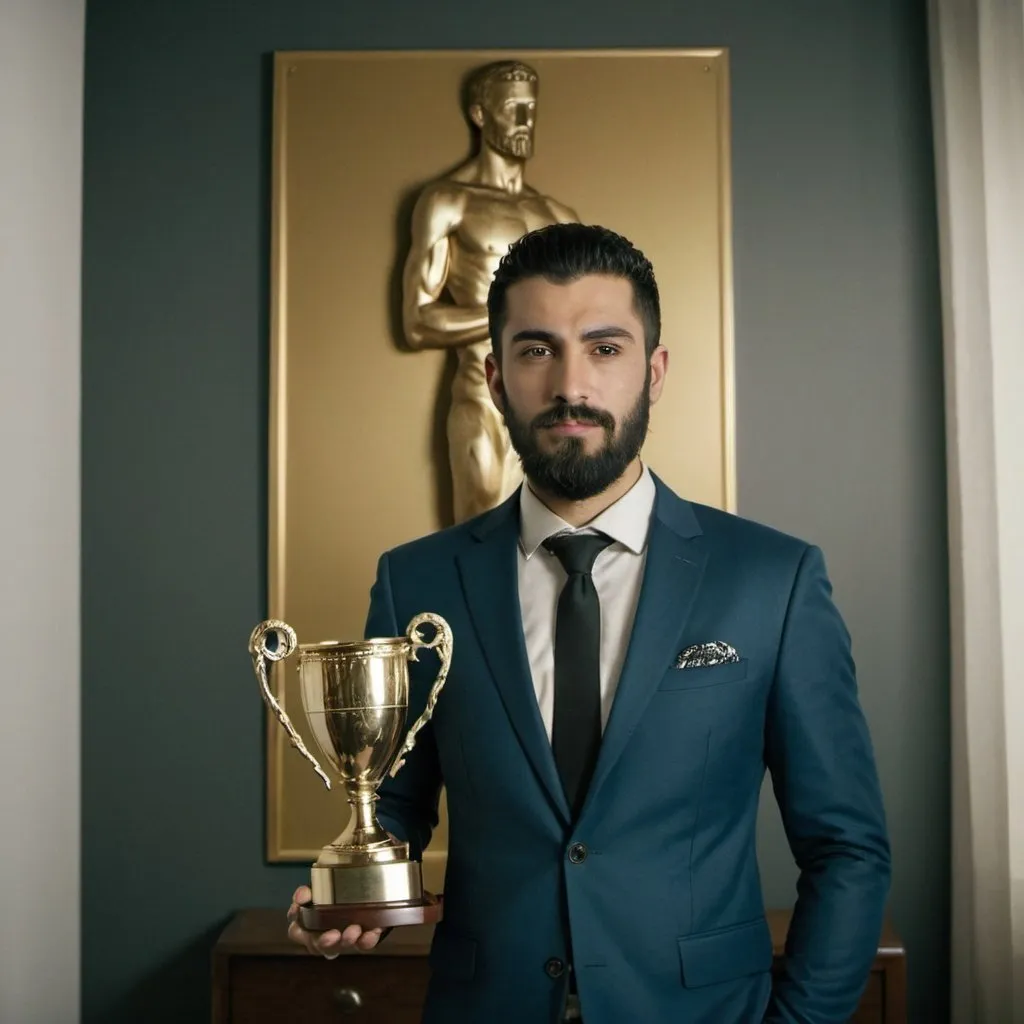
627, 666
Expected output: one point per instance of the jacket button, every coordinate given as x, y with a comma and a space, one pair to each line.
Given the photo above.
577, 853
554, 968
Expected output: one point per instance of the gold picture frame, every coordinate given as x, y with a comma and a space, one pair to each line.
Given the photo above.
637, 140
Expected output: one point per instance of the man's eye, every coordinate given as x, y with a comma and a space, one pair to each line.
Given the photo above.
607, 350
536, 351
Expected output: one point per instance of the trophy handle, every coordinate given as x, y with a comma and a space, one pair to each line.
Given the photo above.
442, 640
287, 641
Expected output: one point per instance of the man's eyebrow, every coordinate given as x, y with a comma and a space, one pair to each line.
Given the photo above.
535, 334
594, 334
609, 331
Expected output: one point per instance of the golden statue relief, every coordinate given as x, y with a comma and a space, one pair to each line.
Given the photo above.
341, 175
462, 225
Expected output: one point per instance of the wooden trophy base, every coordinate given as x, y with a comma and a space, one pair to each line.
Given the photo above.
370, 915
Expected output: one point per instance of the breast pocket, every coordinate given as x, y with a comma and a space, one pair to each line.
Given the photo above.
704, 676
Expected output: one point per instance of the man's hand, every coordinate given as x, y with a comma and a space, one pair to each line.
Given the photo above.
328, 944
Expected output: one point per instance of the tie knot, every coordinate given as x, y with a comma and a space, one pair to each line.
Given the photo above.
577, 551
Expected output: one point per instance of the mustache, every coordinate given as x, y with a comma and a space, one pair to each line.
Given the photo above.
579, 413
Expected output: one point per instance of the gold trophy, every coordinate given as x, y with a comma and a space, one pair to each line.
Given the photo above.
356, 696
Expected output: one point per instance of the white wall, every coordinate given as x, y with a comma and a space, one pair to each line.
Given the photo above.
41, 61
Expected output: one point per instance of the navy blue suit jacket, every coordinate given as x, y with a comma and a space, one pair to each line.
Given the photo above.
660, 910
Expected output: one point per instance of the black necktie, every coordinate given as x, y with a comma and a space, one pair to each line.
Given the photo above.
576, 732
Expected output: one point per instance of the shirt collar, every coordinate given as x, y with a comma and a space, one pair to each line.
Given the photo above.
626, 521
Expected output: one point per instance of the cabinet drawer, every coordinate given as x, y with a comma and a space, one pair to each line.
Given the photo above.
356, 989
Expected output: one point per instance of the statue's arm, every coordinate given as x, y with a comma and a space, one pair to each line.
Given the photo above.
428, 319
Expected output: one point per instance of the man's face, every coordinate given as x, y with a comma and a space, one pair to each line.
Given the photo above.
506, 120
575, 384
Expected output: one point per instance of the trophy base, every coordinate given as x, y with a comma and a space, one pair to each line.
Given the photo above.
322, 917
345, 885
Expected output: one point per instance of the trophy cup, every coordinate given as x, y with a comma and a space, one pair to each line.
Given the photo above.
356, 696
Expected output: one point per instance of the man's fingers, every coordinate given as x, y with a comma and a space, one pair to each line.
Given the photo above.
298, 934
325, 944
369, 939
328, 944
301, 896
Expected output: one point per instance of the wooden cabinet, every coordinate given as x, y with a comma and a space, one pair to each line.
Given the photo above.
260, 977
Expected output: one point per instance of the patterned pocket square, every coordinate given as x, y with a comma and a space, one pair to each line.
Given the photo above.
705, 655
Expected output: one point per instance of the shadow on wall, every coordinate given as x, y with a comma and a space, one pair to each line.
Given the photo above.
178, 992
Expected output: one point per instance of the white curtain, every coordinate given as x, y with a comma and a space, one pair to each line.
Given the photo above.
977, 68
41, 60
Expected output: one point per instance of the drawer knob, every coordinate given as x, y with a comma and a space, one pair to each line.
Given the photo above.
348, 1000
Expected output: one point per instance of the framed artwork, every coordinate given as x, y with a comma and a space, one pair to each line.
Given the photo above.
399, 179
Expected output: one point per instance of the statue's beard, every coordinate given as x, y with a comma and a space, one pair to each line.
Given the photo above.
517, 144
569, 472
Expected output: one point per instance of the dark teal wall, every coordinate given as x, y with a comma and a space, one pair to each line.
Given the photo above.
840, 433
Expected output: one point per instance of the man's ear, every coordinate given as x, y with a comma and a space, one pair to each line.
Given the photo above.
495, 384
659, 368
476, 115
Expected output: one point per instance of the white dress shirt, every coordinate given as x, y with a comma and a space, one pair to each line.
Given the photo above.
617, 574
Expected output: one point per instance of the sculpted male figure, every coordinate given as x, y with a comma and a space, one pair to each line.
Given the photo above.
461, 227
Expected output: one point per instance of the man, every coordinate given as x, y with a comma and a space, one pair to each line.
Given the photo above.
461, 226
627, 665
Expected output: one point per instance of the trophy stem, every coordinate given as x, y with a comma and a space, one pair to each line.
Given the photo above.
363, 840
366, 829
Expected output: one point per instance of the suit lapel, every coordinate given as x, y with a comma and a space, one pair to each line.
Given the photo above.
676, 557
490, 579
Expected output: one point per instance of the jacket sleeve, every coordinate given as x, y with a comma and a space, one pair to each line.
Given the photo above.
408, 803
820, 756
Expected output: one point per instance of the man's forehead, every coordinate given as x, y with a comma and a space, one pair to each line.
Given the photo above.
592, 295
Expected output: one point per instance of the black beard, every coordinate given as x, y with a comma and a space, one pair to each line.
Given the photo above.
569, 472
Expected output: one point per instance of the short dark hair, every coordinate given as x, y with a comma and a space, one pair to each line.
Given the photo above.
562, 253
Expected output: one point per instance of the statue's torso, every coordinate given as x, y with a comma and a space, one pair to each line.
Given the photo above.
491, 221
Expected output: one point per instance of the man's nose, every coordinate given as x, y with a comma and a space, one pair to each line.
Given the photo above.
570, 383
523, 118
